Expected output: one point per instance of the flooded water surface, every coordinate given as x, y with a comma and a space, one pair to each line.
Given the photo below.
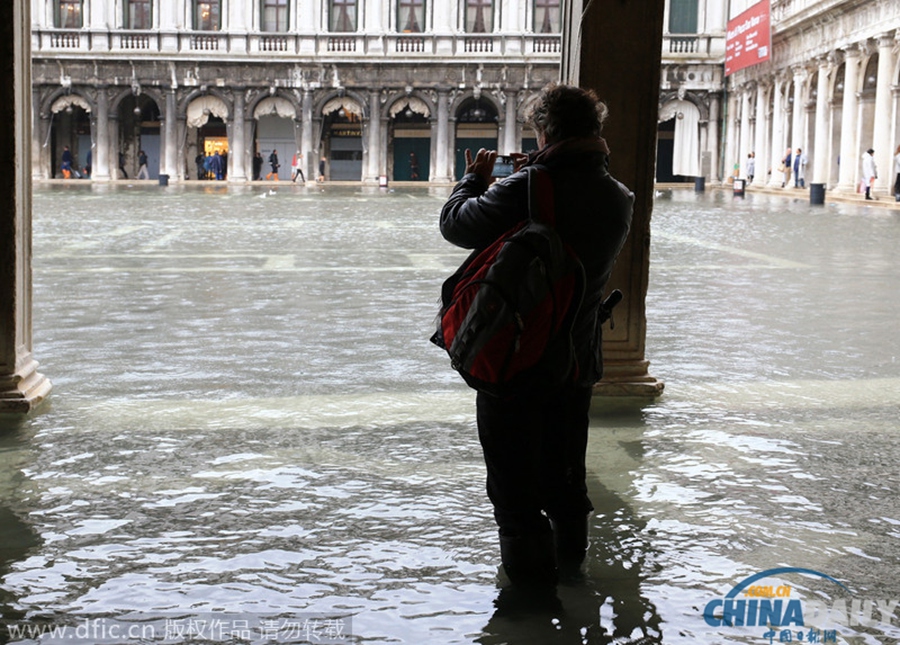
250, 438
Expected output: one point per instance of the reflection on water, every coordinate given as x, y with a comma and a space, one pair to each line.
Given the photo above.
248, 420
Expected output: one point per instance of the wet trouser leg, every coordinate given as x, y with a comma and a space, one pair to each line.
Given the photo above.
534, 448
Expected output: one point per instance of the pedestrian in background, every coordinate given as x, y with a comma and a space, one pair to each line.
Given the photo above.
296, 167
751, 167
67, 161
257, 166
786, 168
869, 172
273, 162
800, 161
143, 173
897, 174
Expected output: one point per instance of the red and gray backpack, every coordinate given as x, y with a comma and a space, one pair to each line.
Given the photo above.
512, 305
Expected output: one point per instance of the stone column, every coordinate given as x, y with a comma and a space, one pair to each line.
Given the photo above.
38, 137
797, 138
732, 136
22, 387
170, 134
509, 124
631, 134
849, 154
760, 151
100, 156
777, 146
237, 171
306, 138
820, 146
442, 153
374, 138
881, 143
745, 133
713, 137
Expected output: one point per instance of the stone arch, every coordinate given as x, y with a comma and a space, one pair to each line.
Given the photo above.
690, 97
418, 102
65, 112
350, 101
459, 100
285, 105
275, 118
155, 95
137, 116
341, 116
409, 117
678, 153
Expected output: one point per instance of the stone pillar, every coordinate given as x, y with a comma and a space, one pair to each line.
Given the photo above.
760, 151
777, 147
22, 387
170, 134
100, 157
797, 124
732, 136
820, 146
849, 154
443, 150
306, 138
745, 137
237, 170
38, 137
509, 124
373, 138
881, 143
631, 134
713, 137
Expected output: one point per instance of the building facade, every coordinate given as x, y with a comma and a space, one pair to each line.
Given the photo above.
830, 89
397, 89
368, 89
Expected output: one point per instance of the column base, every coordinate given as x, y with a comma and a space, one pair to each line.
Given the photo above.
628, 379
24, 391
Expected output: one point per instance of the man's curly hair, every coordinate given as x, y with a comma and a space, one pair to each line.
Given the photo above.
564, 111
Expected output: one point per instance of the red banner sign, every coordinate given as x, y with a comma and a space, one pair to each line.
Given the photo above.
749, 38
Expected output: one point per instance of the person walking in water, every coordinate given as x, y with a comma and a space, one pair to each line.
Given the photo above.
535, 440
273, 163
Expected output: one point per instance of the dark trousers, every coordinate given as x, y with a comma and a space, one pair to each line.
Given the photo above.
534, 448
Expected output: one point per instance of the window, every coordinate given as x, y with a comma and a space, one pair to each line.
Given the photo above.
683, 17
343, 15
68, 14
275, 15
138, 14
479, 16
207, 15
410, 16
546, 16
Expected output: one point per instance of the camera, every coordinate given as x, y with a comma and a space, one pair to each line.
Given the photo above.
503, 167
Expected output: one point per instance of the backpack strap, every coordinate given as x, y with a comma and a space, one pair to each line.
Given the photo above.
540, 195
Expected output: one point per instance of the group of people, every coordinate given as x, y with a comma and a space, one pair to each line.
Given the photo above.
212, 166
275, 164
794, 163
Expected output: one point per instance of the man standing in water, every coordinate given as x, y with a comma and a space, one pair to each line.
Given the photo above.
535, 440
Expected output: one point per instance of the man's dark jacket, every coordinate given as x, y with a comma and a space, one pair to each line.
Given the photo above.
593, 215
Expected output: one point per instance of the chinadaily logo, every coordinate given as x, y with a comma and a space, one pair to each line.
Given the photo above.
769, 604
